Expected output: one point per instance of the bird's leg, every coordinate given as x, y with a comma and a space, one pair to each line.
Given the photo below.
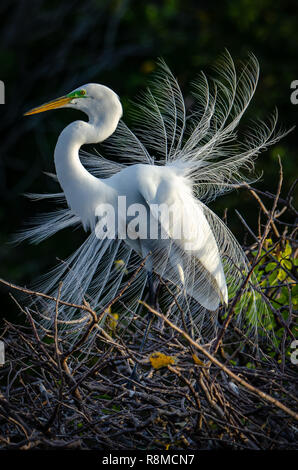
152, 302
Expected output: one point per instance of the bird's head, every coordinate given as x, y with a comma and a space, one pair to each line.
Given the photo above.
93, 99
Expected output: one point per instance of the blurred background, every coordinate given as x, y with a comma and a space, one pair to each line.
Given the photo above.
49, 47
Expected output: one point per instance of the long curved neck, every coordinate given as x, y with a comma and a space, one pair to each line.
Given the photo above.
83, 191
69, 168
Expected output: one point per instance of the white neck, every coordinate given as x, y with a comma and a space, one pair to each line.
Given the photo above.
83, 191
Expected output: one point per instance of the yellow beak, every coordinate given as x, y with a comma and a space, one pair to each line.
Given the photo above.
57, 103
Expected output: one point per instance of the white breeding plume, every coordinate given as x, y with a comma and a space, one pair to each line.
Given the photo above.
179, 160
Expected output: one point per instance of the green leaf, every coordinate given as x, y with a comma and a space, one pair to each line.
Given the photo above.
286, 263
288, 249
270, 267
281, 275
272, 278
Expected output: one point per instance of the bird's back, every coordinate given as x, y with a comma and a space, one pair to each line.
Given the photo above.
176, 234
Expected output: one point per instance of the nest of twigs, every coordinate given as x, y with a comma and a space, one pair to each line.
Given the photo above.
228, 394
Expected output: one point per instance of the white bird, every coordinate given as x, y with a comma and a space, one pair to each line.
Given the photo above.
172, 159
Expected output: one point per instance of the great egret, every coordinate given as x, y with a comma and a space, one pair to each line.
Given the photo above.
172, 159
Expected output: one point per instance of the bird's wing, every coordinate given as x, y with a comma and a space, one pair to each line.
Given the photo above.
188, 254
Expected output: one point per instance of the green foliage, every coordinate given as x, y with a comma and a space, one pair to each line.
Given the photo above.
274, 276
274, 273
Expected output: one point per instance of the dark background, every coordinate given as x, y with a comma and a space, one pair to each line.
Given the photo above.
47, 48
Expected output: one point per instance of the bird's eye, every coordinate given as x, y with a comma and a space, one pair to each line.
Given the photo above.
77, 94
